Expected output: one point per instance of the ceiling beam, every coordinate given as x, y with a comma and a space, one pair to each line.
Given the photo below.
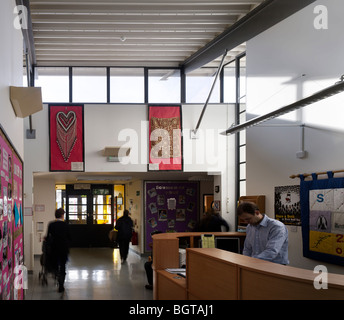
27, 33
258, 20
111, 8
115, 48
133, 19
338, 87
129, 26
145, 2
99, 36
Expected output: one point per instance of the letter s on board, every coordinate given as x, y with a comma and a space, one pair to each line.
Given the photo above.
320, 197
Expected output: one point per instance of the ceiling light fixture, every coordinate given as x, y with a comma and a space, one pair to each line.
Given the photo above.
103, 178
318, 96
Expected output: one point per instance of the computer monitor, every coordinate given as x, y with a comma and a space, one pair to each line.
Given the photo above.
228, 244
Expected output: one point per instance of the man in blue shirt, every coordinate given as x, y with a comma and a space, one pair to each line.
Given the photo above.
266, 238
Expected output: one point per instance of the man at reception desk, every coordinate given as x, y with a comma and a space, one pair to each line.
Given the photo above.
266, 238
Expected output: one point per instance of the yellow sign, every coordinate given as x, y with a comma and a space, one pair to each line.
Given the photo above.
328, 243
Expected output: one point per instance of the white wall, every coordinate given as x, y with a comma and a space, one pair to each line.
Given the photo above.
127, 126
44, 199
11, 66
276, 61
116, 126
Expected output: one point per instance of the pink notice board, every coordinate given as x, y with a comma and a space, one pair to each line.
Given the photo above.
11, 221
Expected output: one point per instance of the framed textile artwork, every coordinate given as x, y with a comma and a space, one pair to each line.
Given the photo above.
322, 217
66, 137
165, 138
12, 269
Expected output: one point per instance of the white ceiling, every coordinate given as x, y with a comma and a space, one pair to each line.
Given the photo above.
130, 32
121, 177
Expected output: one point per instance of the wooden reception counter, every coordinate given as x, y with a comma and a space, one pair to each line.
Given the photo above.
166, 255
213, 274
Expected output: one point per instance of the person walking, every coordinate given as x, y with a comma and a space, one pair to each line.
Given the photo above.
58, 240
124, 225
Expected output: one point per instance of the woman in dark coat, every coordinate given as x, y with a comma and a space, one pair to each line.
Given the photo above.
124, 226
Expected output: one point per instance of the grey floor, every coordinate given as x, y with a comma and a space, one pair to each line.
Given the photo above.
94, 274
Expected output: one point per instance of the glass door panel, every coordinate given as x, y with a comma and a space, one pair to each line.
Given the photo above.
77, 209
89, 212
102, 209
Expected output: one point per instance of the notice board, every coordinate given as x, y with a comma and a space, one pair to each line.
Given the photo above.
170, 207
11, 221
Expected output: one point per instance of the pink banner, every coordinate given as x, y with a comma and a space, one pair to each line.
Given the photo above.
66, 137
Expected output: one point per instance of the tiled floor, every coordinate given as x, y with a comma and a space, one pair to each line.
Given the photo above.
94, 274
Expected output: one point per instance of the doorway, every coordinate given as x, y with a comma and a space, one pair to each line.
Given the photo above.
91, 212
208, 200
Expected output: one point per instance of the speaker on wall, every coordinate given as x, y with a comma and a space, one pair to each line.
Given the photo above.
26, 100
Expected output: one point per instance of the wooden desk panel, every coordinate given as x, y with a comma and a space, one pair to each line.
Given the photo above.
166, 253
170, 286
208, 280
258, 286
219, 274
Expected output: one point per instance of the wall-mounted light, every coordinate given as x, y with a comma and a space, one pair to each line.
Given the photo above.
114, 154
103, 178
320, 95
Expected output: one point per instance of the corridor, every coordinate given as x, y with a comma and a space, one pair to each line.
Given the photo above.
94, 274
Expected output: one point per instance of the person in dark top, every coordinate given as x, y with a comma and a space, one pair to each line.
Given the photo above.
58, 239
212, 222
124, 225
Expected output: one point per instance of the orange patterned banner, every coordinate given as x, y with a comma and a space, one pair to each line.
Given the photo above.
165, 142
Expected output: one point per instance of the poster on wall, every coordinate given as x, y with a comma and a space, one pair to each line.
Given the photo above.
165, 138
66, 137
170, 207
11, 221
322, 215
287, 205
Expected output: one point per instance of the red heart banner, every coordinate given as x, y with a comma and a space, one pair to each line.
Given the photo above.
66, 120
66, 137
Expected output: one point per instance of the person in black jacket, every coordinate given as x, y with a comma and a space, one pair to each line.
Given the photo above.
124, 225
212, 222
58, 239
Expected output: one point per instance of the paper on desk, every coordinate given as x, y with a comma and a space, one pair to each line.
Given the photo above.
175, 270
208, 241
